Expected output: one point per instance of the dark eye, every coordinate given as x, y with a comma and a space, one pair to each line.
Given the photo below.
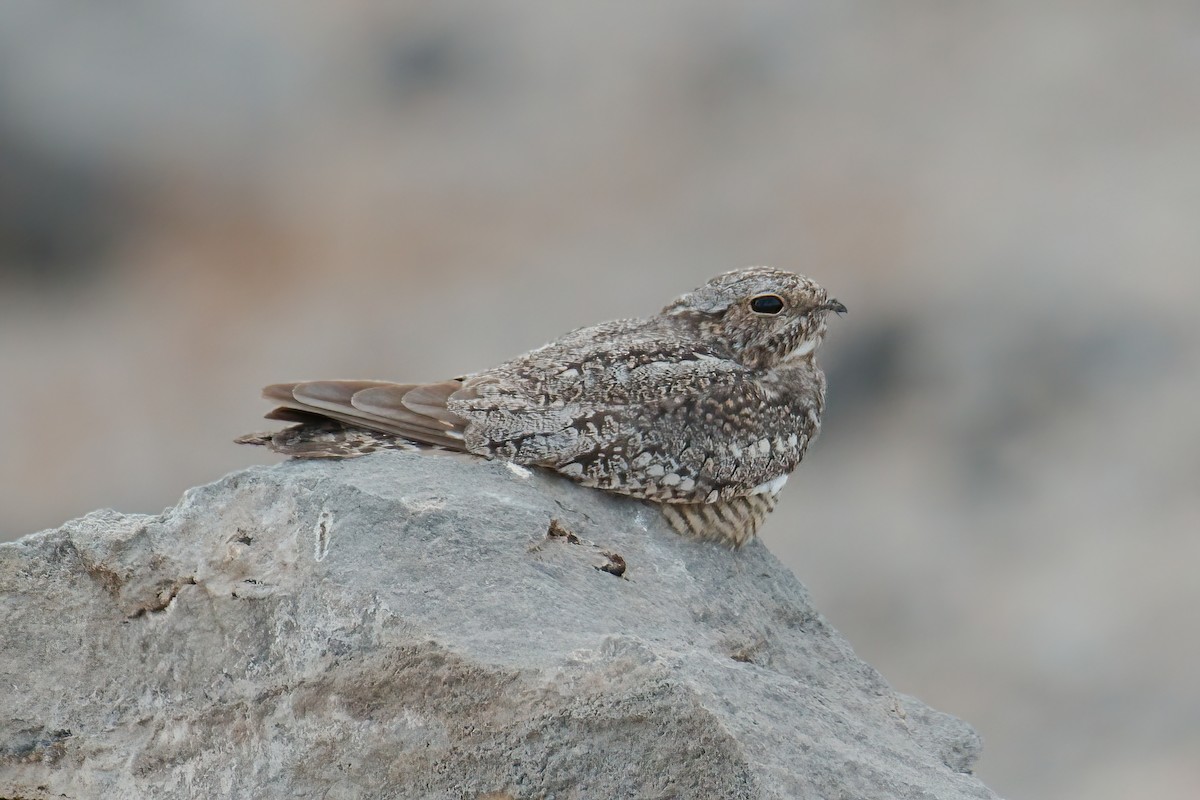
767, 304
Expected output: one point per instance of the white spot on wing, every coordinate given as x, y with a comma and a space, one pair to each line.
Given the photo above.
770, 487
518, 470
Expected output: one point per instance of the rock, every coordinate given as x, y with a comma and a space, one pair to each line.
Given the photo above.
434, 626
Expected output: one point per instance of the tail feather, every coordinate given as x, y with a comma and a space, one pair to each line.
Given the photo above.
325, 439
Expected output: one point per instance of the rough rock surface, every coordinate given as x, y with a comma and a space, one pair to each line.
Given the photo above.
409, 625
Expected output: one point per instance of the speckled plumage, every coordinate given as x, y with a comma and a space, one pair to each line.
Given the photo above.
705, 407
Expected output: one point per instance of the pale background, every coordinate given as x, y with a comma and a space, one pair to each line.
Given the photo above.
203, 196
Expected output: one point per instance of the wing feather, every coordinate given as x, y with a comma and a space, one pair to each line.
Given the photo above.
430, 399
388, 403
380, 409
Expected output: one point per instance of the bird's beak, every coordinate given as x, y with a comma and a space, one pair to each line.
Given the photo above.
834, 305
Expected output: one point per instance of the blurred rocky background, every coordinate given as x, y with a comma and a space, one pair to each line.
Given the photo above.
201, 197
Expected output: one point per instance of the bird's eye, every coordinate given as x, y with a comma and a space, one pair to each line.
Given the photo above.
766, 304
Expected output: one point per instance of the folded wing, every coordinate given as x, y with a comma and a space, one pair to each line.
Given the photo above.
416, 412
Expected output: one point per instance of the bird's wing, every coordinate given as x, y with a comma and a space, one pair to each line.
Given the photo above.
414, 411
699, 448
668, 426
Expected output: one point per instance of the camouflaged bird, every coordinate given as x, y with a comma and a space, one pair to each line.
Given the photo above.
703, 409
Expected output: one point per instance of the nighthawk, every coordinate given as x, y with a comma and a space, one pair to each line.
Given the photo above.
703, 409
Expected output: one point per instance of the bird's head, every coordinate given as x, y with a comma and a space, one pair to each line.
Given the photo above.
767, 316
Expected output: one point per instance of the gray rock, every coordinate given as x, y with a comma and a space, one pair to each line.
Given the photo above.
431, 626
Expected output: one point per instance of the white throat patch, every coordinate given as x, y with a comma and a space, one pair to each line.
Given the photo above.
804, 349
